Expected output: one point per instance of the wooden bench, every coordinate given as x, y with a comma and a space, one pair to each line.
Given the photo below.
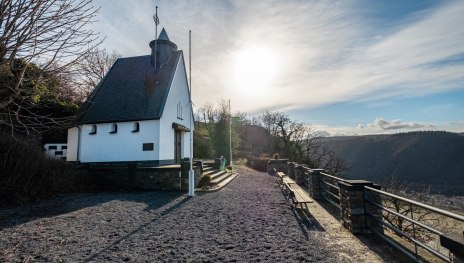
287, 182
292, 190
287, 185
300, 197
279, 177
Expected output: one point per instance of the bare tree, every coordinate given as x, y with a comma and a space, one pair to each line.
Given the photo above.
424, 216
298, 142
93, 68
53, 35
206, 117
214, 122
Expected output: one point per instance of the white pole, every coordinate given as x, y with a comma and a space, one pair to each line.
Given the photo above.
191, 173
230, 136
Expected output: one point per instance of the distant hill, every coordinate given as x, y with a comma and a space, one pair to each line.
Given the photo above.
424, 158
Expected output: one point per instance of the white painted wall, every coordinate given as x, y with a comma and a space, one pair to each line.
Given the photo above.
59, 152
128, 146
177, 93
124, 145
73, 134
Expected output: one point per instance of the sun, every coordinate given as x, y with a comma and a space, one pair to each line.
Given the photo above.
254, 70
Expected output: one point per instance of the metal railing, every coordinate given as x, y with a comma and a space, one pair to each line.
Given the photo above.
406, 210
330, 189
407, 232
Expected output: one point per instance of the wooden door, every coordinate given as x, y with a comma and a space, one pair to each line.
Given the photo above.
177, 146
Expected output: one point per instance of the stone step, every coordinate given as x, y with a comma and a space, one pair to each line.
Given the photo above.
207, 168
210, 172
216, 174
208, 163
223, 176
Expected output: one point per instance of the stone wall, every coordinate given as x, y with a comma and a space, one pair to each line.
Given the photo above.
291, 170
281, 165
300, 175
150, 178
260, 164
353, 208
164, 179
314, 182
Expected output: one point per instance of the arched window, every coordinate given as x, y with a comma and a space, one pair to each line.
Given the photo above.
136, 127
93, 130
114, 128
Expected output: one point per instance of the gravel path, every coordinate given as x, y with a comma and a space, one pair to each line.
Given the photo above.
247, 221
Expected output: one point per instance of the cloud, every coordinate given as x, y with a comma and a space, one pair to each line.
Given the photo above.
321, 133
382, 126
327, 51
396, 125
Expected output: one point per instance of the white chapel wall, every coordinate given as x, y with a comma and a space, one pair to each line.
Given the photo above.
124, 145
178, 93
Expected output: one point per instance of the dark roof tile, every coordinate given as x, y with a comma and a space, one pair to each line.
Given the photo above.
131, 90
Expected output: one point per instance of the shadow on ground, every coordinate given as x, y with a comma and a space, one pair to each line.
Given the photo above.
73, 202
374, 243
306, 221
138, 229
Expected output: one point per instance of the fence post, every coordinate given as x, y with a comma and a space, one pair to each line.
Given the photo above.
455, 244
299, 176
353, 208
291, 170
314, 183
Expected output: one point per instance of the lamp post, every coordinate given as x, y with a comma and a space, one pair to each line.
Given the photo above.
191, 177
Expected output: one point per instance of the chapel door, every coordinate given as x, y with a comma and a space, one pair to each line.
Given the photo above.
177, 146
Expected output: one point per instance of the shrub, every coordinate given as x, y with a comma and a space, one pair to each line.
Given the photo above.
27, 174
204, 181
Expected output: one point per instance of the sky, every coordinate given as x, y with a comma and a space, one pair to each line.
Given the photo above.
345, 67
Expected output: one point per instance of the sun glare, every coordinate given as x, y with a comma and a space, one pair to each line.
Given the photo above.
254, 70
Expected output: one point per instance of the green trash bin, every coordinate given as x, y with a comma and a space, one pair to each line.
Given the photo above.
222, 165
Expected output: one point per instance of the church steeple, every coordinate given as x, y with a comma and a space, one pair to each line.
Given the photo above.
161, 48
163, 35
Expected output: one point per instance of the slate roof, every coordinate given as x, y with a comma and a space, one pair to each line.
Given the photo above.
130, 91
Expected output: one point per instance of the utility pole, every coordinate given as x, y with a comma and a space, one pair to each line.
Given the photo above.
230, 136
191, 173
156, 19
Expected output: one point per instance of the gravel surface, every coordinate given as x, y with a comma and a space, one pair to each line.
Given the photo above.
247, 221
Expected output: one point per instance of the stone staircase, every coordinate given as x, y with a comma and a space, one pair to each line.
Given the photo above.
217, 177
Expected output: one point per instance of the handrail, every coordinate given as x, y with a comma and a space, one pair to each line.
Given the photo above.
333, 198
326, 185
395, 245
428, 207
331, 185
332, 194
405, 217
333, 177
412, 239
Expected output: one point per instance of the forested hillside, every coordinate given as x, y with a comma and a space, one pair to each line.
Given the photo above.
425, 158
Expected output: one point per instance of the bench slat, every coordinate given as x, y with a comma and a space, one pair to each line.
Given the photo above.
298, 195
287, 180
301, 196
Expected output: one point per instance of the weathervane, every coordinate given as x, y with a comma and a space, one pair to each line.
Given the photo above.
156, 19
